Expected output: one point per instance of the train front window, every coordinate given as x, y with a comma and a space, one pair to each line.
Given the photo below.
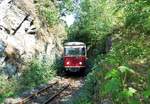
74, 51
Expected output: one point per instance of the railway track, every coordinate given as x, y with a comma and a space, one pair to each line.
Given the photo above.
45, 95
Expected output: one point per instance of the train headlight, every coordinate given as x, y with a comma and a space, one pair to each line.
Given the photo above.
68, 63
80, 63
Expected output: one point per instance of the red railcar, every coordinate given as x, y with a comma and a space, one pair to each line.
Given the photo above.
75, 56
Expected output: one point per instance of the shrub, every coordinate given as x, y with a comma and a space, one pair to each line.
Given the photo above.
7, 87
37, 72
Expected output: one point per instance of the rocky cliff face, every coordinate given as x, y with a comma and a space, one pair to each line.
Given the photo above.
23, 36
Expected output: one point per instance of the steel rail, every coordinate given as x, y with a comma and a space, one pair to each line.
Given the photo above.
36, 93
56, 94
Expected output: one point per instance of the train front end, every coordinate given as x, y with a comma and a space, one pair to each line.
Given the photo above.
75, 56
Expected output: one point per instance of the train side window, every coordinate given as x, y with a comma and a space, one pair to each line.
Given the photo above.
83, 51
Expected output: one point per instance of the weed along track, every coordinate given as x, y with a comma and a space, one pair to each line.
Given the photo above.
54, 93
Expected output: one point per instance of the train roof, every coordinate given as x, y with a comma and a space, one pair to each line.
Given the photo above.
74, 43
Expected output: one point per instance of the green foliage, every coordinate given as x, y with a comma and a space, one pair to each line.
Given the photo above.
112, 86
146, 93
116, 85
48, 11
137, 15
121, 75
93, 23
66, 6
38, 72
126, 83
7, 87
113, 74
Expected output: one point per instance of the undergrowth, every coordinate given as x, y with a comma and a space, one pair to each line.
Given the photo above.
121, 75
7, 87
36, 72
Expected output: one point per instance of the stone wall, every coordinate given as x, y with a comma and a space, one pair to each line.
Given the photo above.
23, 36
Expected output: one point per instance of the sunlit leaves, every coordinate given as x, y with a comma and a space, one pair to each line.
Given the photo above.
137, 13
48, 12
94, 22
125, 69
38, 72
112, 74
116, 85
125, 79
128, 92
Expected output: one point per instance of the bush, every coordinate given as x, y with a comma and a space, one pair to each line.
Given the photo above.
37, 72
7, 87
